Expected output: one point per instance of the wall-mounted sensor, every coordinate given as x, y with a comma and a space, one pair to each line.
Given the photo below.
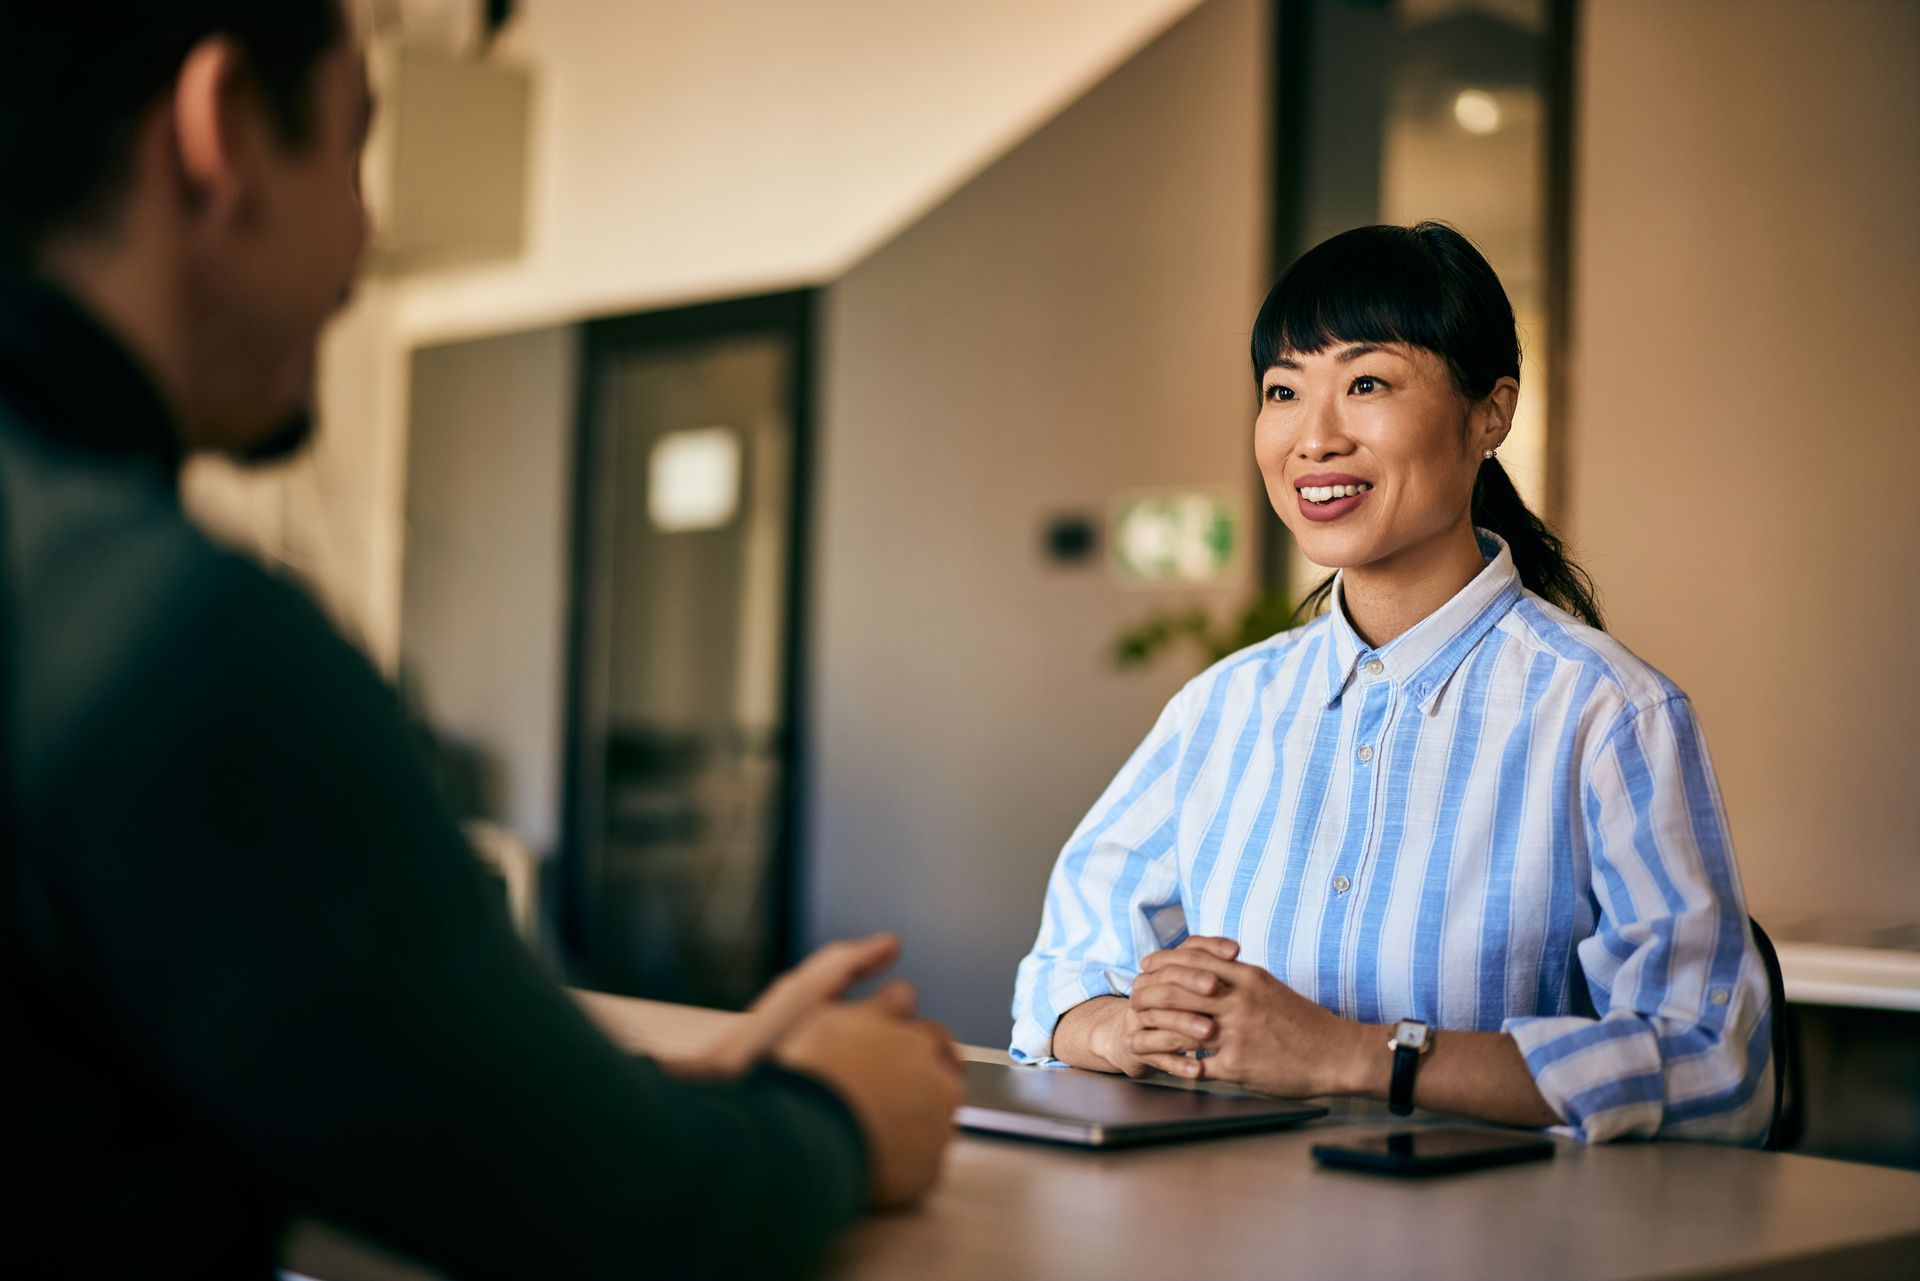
1072, 540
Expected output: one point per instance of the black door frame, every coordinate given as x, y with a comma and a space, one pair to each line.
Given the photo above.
794, 315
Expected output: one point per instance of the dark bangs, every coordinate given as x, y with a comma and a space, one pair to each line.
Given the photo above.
1425, 286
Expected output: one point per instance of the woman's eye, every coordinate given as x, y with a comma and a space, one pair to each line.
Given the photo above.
1279, 392
1365, 385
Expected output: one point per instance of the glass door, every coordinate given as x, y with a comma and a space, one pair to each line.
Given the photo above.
681, 796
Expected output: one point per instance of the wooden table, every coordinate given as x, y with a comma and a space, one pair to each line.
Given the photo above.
1256, 1206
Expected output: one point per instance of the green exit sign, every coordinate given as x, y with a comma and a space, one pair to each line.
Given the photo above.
1177, 538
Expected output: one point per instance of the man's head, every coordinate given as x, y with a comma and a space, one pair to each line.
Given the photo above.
190, 168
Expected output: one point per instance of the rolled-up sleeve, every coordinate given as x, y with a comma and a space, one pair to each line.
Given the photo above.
1113, 897
1681, 1047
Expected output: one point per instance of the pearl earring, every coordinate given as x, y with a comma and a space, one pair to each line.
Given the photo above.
1489, 453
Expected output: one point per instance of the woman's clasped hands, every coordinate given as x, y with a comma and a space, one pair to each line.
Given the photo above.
1197, 1012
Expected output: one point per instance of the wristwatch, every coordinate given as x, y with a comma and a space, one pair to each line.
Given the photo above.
1412, 1039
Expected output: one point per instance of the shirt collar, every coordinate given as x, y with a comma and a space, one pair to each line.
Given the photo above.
1424, 657
67, 379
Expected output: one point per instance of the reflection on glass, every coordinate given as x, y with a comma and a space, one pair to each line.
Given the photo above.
693, 479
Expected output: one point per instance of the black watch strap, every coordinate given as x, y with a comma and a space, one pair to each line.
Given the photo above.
1406, 1061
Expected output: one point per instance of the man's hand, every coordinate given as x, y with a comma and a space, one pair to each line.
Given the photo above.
1254, 1030
899, 1076
823, 977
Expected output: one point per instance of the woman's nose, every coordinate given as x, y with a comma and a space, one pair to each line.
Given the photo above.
1322, 435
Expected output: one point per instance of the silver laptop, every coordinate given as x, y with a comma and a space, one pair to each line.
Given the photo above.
1092, 1110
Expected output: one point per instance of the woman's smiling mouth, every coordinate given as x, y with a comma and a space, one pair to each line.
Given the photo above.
1327, 493
1324, 498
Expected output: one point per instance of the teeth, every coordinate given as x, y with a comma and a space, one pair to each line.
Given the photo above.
1327, 493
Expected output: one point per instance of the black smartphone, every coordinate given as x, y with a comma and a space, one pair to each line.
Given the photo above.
1439, 1150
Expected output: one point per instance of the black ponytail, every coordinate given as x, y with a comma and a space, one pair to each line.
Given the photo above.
1425, 286
1538, 554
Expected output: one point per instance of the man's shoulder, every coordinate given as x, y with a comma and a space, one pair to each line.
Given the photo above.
72, 515
103, 542
117, 601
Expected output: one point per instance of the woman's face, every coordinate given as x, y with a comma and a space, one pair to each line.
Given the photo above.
1369, 452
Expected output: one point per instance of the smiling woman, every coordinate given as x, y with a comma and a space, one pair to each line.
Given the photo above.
1448, 843
1404, 337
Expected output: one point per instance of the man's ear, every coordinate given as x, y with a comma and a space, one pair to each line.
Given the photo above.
214, 136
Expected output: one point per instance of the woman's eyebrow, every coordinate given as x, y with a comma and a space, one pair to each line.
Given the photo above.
1346, 356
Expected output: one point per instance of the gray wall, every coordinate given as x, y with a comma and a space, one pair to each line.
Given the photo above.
484, 597
1743, 441
1071, 324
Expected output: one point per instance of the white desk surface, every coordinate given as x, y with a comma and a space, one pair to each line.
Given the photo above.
1881, 978
1257, 1206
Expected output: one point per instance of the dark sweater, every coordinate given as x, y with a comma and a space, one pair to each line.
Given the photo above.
248, 967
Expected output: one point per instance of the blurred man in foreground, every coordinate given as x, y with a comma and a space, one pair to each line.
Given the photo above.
248, 968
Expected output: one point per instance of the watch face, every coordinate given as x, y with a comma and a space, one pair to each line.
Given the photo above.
1410, 1035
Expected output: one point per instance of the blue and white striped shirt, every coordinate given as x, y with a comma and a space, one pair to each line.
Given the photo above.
1502, 820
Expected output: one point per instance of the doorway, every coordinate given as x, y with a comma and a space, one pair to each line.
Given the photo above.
680, 834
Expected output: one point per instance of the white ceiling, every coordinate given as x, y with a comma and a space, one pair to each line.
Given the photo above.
689, 149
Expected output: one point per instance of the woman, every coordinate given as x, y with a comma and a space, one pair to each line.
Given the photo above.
1451, 799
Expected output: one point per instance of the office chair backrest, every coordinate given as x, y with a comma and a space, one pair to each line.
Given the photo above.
1784, 1133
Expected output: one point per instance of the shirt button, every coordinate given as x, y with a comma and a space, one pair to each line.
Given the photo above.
1375, 667
1365, 754
1719, 996
1341, 885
